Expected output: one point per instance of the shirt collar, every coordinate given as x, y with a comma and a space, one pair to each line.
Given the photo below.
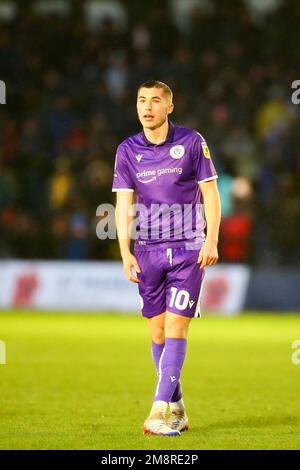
169, 138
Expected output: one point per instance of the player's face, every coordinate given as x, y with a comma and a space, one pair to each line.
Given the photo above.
153, 107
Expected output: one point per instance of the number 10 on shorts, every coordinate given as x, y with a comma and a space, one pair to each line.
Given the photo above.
179, 298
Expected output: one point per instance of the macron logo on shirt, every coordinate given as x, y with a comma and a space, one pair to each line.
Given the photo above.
139, 157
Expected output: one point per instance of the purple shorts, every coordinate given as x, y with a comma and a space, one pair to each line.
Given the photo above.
171, 280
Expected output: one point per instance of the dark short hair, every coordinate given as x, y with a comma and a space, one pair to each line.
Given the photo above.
157, 84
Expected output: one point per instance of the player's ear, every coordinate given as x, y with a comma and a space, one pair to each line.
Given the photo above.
170, 108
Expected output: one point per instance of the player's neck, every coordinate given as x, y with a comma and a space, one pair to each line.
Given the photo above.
158, 135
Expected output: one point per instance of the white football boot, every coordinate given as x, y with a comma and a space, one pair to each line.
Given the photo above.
178, 419
159, 427
156, 422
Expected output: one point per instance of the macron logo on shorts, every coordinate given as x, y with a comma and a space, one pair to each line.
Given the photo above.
173, 378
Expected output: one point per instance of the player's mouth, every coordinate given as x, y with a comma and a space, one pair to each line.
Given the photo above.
148, 117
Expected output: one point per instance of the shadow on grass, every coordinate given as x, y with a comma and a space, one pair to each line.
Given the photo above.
251, 422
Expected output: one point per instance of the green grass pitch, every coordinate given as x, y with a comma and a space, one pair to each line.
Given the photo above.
83, 381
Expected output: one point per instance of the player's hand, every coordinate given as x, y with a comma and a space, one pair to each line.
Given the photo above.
129, 262
208, 254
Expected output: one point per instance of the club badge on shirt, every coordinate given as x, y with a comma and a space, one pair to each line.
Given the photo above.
177, 151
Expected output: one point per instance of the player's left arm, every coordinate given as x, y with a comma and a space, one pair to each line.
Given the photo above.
212, 207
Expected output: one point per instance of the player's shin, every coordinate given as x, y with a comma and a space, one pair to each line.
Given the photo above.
157, 350
170, 365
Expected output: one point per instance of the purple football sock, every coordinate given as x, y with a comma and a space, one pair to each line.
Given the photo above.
177, 395
157, 350
170, 366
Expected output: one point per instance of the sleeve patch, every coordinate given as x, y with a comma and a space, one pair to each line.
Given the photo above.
205, 149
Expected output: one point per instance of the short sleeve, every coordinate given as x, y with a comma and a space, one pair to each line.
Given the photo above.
122, 180
203, 165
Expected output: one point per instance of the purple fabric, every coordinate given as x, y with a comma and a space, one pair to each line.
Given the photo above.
170, 280
177, 395
157, 350
169, 174
170, 366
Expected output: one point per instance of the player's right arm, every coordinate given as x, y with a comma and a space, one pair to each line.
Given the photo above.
123, 185
123, 223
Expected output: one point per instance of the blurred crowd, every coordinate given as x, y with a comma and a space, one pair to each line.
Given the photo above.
71, 80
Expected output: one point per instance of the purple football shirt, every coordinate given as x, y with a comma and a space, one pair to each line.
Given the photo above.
166, 180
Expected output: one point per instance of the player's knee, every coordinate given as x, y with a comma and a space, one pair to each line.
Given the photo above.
177, 332
176, 326
158, 335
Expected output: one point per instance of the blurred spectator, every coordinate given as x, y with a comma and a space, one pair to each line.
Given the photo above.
236, 228
60, 184
76, 247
